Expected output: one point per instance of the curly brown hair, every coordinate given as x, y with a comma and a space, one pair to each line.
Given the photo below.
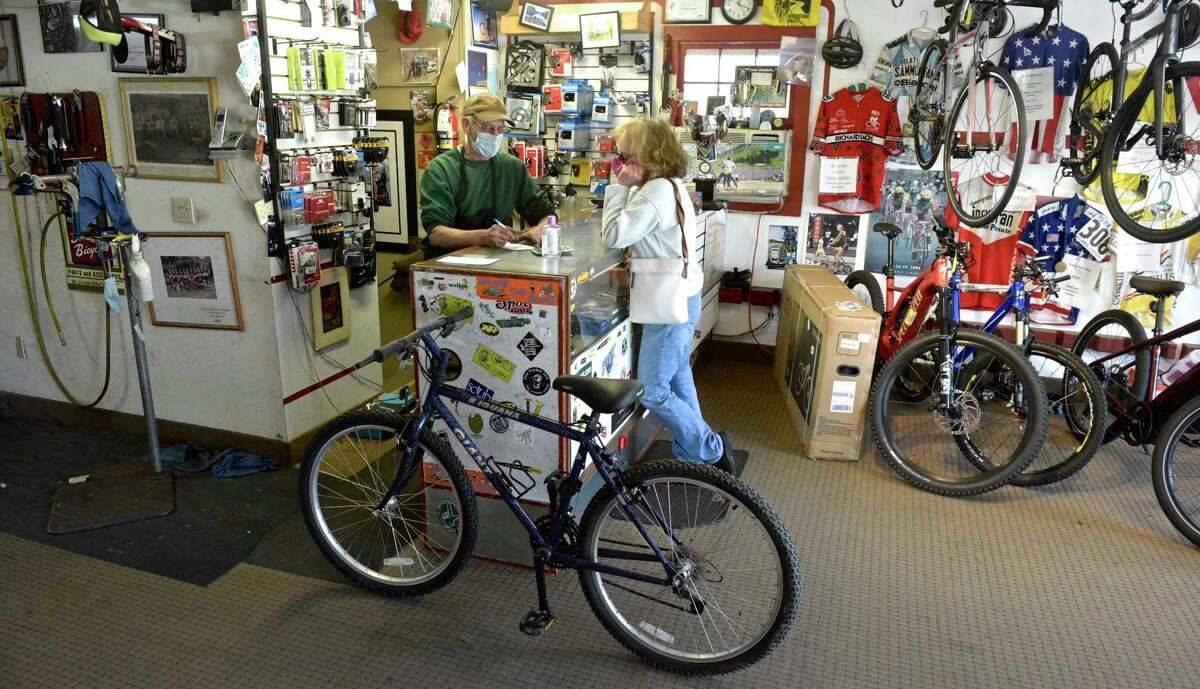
652, 141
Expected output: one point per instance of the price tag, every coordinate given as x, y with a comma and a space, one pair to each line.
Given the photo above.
1080, 290
838, 176
1037, 92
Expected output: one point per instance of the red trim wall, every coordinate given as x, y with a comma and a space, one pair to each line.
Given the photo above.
700, 36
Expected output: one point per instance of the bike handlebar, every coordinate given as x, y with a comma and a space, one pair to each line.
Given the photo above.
445, 324
1047, 10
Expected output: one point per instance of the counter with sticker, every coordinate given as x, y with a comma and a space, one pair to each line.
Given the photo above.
534, 319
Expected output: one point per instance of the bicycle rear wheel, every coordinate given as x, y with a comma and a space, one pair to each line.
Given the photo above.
1130, 145
416, 543
1093, 109
1176, 470
740, 597
1078, 416
926, 114
977, 440
986, 122
1109, 332
866, 288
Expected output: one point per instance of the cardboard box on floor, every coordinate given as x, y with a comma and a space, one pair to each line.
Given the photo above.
824, 360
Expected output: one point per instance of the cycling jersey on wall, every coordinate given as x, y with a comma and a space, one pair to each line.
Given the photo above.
1078, 234
1061, 48
994, 246
896, 70
861, 125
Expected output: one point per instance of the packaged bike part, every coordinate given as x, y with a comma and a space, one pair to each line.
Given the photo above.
824, 360
304, 265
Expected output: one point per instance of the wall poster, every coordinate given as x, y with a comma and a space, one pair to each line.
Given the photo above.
832, 242
910, 198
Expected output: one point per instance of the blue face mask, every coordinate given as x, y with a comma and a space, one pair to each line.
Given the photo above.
488, 145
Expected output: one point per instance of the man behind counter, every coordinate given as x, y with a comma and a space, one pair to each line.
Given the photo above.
466, 190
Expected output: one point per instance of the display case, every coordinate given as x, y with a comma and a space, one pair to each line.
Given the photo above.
535, 319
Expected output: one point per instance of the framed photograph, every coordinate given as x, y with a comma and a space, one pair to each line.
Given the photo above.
420, 65
168, 124
194, 279
477, 68
600, 30
136, 62
439, 13
330, 301
536, 16
12, 69
483, 27
396, 222
832, 242
688, 12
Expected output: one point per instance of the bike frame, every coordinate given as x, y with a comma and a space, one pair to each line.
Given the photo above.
916, 299
433, 407
1164, 57
1162, 405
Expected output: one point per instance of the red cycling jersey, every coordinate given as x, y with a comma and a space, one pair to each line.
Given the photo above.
862, 125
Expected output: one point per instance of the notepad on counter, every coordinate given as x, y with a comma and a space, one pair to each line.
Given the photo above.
467, 260
514, 246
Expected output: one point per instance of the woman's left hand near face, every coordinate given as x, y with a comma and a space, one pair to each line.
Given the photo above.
630, 175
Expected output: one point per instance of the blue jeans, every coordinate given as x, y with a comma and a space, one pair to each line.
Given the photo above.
664, 370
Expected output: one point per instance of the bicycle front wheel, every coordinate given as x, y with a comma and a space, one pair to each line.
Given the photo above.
970, 437
1176, 470
415, 543
739, 582
1134, 175
1110, 332
986, 125
926, 113
1094, 107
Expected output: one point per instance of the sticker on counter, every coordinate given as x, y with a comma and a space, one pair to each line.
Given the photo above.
450, 305
489, 329
533, 406
453, 365
530, 346
475, 423
517, 289
498, 423
423, 303
479, 389
849, 306
514, 306
487, 359
536, 380
512, 322
583, 277
447, 513
842, 398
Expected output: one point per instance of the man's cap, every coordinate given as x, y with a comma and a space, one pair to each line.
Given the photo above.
486, 108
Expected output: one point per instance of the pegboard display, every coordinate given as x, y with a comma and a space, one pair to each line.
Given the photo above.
315, 108
569, 100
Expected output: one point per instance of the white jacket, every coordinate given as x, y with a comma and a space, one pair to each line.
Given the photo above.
645, 219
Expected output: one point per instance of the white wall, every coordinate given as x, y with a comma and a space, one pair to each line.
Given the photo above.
878, 23
223, 379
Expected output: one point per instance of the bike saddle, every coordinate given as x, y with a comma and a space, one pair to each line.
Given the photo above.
1155, 287
604, 395
887, 229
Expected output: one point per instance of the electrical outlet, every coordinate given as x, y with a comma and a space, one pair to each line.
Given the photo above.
22, 351
182, 211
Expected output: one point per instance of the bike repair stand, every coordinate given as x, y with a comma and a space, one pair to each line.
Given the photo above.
108, 501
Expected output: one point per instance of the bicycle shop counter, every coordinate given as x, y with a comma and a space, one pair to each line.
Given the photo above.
534, 319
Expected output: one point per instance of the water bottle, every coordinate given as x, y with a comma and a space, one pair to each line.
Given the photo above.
550, 237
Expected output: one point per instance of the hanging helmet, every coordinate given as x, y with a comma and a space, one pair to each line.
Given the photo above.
843, 51
100, 21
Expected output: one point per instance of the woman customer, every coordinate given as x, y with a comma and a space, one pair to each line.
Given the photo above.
648, 209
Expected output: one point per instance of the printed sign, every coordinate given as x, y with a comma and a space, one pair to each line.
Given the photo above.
1037, 92
838, 176
536, 380
493, 363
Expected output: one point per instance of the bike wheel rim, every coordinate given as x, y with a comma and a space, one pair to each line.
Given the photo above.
993, 112
1070, 426
1182, 471
655, 636
357, 538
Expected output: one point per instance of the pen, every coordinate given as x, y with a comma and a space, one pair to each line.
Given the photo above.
517, 237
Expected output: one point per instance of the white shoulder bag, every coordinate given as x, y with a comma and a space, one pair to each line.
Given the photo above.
659, 288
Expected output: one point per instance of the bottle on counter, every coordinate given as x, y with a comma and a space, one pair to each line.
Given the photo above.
550, 235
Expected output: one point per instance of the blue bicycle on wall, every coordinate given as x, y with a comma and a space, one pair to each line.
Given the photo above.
683, 564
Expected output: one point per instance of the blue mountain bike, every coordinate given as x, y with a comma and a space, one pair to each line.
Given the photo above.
683, 564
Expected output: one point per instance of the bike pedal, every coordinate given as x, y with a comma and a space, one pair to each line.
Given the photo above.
536, 622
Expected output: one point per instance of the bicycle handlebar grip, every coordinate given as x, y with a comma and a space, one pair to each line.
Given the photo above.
943, 3
459, 316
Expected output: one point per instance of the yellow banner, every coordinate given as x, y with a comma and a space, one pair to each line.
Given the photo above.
791, 12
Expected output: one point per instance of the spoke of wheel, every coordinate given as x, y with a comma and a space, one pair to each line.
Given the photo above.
711, 601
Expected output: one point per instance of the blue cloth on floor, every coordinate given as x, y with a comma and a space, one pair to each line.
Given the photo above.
98, 192
234, 463
187, 458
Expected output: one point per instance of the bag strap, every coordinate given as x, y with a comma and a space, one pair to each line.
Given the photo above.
682, 228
